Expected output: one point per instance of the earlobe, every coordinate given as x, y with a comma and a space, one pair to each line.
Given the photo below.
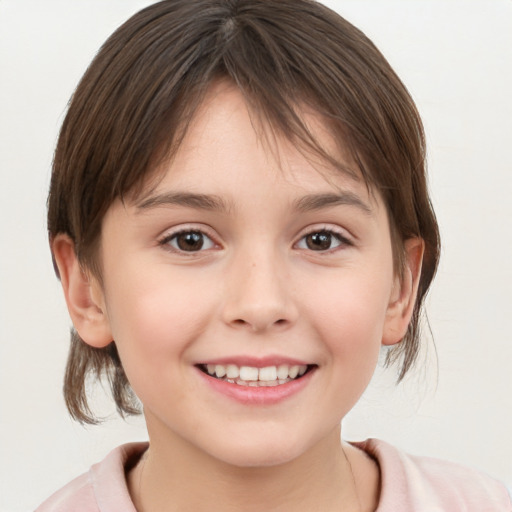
403, 298
83, 295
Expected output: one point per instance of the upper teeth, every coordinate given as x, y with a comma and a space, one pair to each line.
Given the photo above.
250, 373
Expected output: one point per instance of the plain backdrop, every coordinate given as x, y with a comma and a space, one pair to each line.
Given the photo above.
455, 57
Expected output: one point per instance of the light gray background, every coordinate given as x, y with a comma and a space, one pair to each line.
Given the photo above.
455, 57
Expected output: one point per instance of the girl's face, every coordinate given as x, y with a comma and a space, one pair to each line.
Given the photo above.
248, 260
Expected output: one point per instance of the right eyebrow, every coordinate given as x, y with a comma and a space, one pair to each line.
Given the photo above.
190, 200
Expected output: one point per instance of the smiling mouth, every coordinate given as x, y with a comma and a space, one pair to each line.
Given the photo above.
268, 376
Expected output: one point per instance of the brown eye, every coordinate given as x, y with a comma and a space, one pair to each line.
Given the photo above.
189, 241
322, 241
319, 241
192, 241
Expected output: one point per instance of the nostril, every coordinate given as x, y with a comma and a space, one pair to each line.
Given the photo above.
259, 326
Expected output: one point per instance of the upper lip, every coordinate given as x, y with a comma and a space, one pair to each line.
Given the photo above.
256, 362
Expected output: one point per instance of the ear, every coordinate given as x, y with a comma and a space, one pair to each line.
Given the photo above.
403, 297
83, 293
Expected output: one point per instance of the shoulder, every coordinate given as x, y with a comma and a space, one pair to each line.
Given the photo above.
102, 489
426, 484
76, 495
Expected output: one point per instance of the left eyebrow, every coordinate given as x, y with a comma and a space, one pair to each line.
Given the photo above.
319, 201
197, 201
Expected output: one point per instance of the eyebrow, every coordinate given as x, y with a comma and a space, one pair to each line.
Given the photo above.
307, 203
319, 201
198, 201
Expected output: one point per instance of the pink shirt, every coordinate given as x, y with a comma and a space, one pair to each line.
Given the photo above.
408, 484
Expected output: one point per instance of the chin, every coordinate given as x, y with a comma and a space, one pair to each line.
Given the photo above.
258, 453
256, 459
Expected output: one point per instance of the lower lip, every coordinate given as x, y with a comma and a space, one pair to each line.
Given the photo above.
264, 395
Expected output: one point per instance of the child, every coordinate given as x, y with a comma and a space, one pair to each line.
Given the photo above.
239, 217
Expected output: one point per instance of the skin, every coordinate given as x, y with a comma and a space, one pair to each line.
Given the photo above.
255, 289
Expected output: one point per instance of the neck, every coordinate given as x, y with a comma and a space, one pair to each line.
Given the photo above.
174, 475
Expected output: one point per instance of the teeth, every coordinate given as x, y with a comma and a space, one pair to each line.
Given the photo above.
268, 373
252, 376
232, 371
248, 373
220, 370
293, 372
282, 372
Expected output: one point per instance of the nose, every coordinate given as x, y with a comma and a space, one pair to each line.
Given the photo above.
259, 294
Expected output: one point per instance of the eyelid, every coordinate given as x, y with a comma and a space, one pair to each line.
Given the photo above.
164, 239
345, 238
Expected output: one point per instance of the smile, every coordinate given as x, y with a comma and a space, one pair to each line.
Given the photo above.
268, 376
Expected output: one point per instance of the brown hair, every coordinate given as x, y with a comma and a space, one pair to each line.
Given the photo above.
132, 106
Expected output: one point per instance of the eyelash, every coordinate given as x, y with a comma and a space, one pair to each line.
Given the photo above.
342, 240
332, 234
167, 239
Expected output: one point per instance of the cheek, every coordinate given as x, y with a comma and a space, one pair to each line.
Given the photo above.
154, 316
349, 311
350, 321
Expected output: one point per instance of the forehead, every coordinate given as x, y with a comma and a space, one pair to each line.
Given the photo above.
228, 135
